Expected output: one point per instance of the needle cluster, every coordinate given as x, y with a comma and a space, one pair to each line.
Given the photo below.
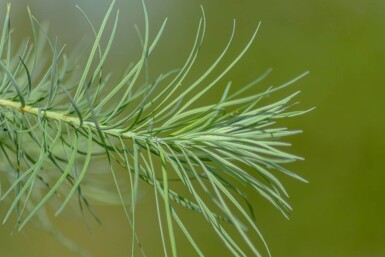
57, 116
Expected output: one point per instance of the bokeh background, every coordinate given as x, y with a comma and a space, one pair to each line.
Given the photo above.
341, 212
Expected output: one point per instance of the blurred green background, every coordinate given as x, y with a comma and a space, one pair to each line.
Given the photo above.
341, 213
